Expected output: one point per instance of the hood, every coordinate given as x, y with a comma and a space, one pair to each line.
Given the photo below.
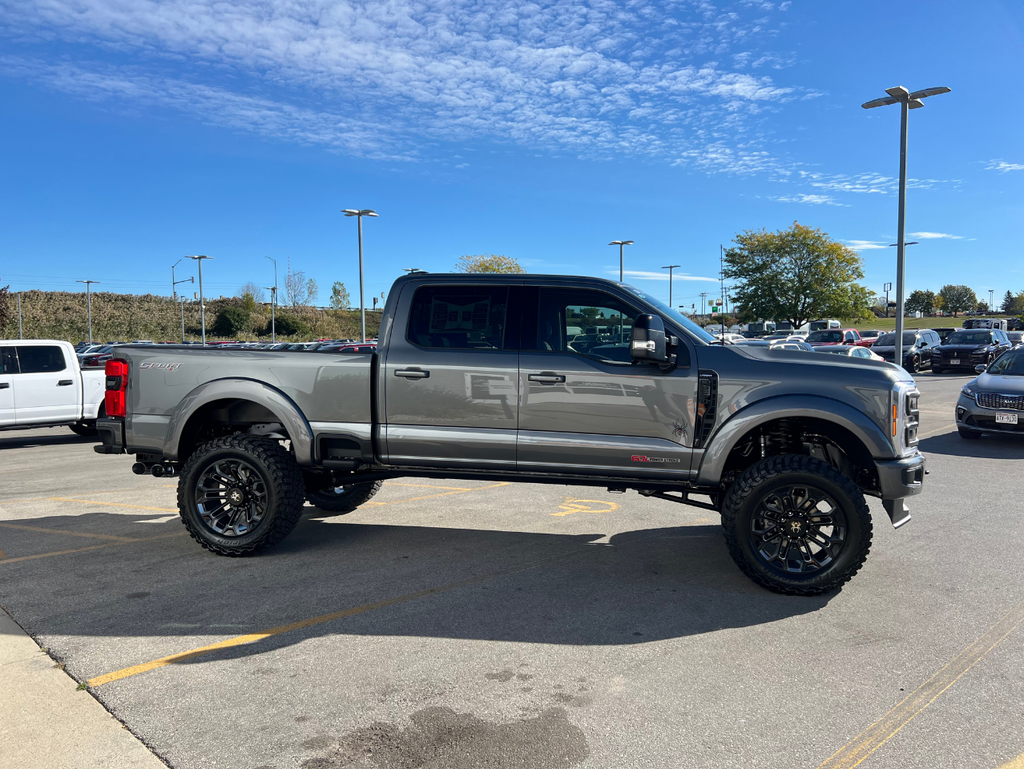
888, 371
962, 347
995, 383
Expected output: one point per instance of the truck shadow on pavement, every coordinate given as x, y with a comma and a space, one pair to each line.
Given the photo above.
59, 437
457, 583
989, 446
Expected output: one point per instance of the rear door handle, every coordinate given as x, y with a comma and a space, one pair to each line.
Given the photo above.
4, 385
412, 373
65, 382
547, 378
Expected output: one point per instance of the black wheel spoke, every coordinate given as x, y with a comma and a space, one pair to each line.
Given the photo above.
232, 497
798, 530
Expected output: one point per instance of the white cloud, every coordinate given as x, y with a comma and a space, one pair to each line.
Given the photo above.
646, 275
934, 236
812, 199
1003, 166
389, 79
865, 245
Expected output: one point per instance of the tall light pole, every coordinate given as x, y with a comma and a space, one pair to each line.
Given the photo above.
991, 299
670, 267
907, 101
174, 283
181, 302
620, 244
360, 213
88, 302
202, 302
888, 286
273, 320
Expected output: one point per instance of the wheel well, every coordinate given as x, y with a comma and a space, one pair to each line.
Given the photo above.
819, 438
225, 417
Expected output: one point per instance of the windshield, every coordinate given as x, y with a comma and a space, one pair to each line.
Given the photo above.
909, 338
825, 336
838, 350
1008, 364
674, 315
969, 337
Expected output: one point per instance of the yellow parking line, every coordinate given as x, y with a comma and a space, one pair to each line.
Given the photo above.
69, 533
884, 729
1017, 763
91, 547
112, 504
242, 640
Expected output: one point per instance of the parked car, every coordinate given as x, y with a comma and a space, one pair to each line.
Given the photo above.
1016, 337
992, 323
967, 348
917, 348
944, 332
833, 336
463, 388
793, 343
868, 337
850, 351
993, 402
42, 385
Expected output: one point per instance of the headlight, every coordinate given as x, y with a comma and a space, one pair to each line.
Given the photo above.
966, 390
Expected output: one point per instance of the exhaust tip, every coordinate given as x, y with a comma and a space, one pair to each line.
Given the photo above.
158, 471
139, 468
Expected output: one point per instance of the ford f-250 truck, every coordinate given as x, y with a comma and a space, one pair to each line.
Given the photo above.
42, 385
540, 379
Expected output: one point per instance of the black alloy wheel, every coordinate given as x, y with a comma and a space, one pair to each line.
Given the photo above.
796, 525
340, 499
231, 497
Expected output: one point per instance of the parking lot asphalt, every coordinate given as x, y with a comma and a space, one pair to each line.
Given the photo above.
465, 624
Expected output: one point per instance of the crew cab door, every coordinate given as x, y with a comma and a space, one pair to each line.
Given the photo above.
8, 367
586, 408
450, 378
47, 388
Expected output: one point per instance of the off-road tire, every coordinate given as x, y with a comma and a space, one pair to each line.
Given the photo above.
971, 435
343, 499
773, 474
85, 429
279, 473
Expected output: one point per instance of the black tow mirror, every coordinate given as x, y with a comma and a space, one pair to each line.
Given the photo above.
648, 341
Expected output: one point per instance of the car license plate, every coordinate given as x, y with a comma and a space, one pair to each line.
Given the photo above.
1006, 419
954, 361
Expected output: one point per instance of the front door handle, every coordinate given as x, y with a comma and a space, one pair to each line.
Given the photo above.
65, 382
4, 385
412, 373
547, 378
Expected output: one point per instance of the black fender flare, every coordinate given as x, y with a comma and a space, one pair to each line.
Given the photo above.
238, 388
728, 434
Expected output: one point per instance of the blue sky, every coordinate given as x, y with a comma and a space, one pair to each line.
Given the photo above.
135, 132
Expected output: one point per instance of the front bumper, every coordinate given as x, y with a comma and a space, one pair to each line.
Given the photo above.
970, 416
111, 431
899, 479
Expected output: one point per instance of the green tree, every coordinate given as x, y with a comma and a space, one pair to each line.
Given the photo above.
231, 321
958, 299
289, 325
921, 301
340, 299
982, 307
1011, 304
797, 275
488, 263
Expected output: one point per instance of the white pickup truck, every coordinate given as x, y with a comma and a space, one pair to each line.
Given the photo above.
42, 385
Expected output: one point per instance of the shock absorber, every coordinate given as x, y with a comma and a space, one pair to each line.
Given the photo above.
782, 438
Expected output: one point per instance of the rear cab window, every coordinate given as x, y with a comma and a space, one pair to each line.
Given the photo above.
459, 318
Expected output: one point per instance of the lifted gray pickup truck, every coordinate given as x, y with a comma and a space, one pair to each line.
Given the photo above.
540, 379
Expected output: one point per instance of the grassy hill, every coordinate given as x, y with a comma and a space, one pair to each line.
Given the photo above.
124, 317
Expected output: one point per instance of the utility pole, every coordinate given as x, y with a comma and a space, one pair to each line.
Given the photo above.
887, 288
991, 291
273, 303
181, 302
273, 319
703, 296
21, 334
721, 271
202, 302
907, 101
88, 302
359, 213
174, 283
620, 244
670, 267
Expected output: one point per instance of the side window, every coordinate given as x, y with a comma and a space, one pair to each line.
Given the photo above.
459, 317
8, 361
585, 322
40, 359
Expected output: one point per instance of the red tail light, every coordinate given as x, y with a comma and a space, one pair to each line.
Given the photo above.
117, 386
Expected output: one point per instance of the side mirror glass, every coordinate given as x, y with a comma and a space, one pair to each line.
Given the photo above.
648, 341
981, 368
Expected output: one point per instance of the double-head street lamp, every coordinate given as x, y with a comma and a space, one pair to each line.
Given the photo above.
202, 303
670, 267
620, 244
907, 101
360, 213
88, 303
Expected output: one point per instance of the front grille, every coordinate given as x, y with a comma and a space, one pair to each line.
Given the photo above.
997, 401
